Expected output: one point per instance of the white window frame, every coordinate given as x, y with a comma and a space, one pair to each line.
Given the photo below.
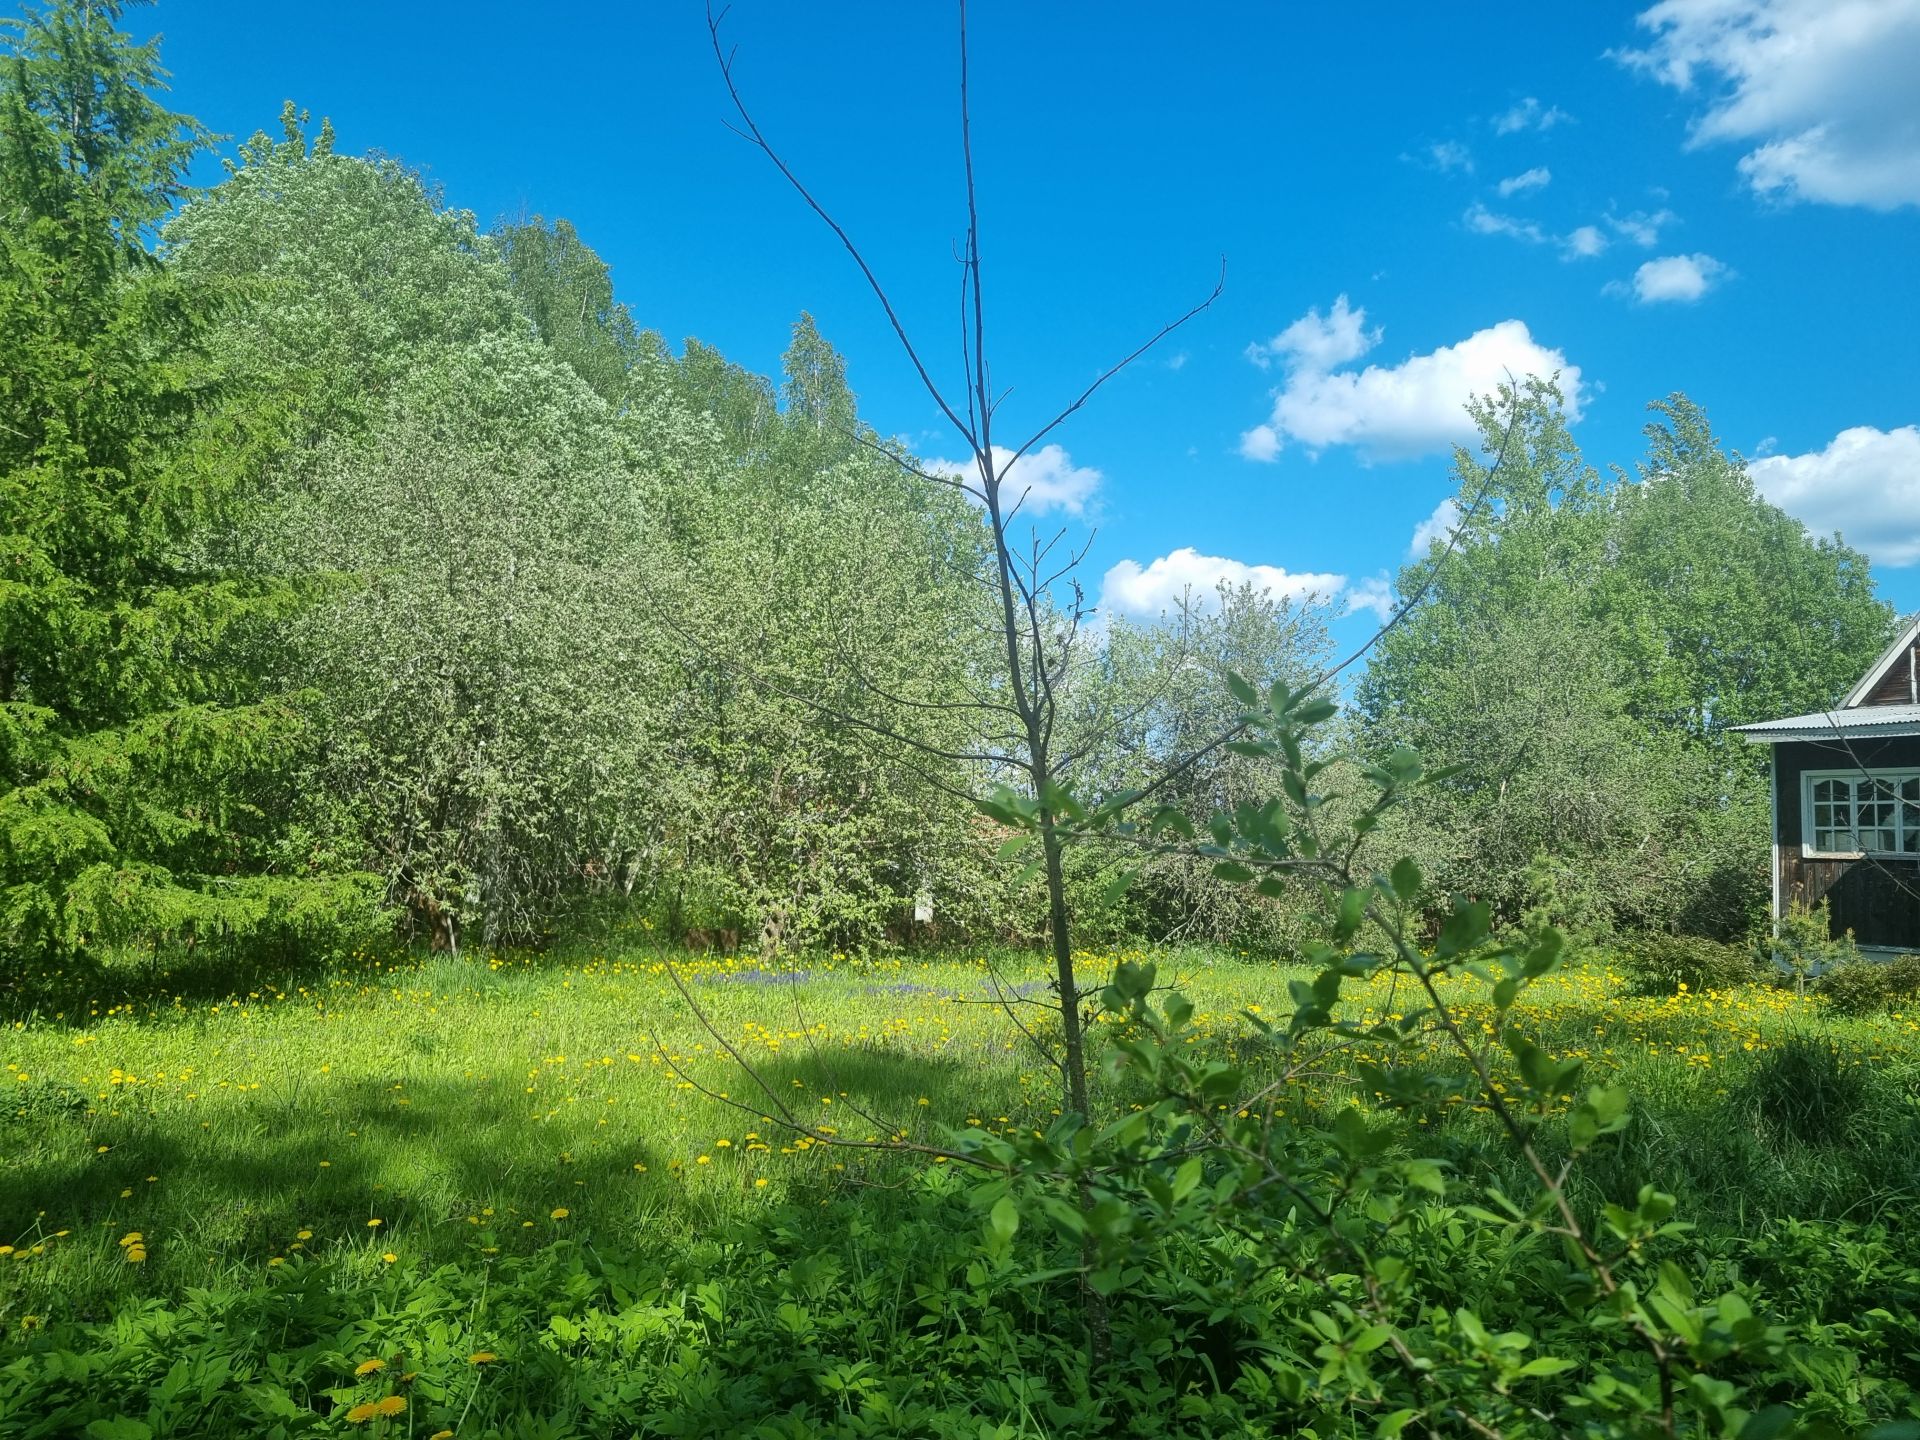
1855, 775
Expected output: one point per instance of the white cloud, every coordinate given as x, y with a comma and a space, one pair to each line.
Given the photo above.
1532, 179
1047, 477
1529, 114
1866, 485
1437, 526
1178, 360
1399, 411
1681, 279
1375, 594
1318, 343
1449, 155
1483, 221
1822, 89
1583, 243
1642, 227
1158, 588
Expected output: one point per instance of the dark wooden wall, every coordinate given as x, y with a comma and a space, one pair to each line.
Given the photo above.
1896, 686
1877, 899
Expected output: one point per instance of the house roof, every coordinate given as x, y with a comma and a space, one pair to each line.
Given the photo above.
1895, 652
1865, 722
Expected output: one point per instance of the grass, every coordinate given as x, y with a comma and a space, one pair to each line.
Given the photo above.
440, 1098
406, 1126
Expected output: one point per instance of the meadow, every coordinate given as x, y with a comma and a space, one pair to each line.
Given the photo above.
233, 1202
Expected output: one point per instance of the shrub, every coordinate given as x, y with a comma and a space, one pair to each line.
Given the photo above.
1862, 987
1661, 964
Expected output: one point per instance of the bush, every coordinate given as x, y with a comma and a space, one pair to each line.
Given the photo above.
1662, 964
1863, 987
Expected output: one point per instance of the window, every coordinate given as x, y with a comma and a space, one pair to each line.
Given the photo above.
1853, 812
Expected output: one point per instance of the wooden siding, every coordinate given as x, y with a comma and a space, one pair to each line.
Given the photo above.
1878, 899
1896, 686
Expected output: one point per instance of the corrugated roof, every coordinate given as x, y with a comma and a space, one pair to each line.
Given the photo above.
1836, 724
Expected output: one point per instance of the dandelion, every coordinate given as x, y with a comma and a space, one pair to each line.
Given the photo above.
723, 1144
276, 1260
389, 1257
704, 1160
560, 1212
361, 1413
392, 1405
441, 1435
482, 1357
368, 1367
760, 1183
375, 1224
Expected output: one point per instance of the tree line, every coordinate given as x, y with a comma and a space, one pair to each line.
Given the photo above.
367, 568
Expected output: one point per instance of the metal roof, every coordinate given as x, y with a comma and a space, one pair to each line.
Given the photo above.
1864, 721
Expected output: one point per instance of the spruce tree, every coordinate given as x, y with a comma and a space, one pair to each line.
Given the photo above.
138, 772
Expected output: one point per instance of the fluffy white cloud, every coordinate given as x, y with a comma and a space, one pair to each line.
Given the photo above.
1375, 594
1449, 155
1529, 114
1532, 179
1866, 485
1318, 342
1158, 588
1823, 90
1395, 412
1437, 526
1047, 477
1680, 279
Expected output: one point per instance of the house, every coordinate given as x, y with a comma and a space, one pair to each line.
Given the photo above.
1846, 804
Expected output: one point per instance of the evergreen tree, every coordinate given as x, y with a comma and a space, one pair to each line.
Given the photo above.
136, 771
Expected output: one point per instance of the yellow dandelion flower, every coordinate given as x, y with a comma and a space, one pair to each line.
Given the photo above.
482, 1357
303, 1234
441, 1435
276, 1260
361, 1413
136, 1254
389, 1257
560, 1212
392, 1405
367, 1367
757, 1184
132, 1237
375, 1224
704, 1160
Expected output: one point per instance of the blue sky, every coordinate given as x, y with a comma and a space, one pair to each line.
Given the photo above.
1715, 196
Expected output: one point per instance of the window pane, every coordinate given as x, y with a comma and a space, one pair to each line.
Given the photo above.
1826, 791
1910, 789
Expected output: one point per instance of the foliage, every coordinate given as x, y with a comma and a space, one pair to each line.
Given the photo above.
1860, 987
1582, 651
142, 775
1665, 964
1805, 943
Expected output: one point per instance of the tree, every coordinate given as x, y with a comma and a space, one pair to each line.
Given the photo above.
141, 773
1582, 655
567, 291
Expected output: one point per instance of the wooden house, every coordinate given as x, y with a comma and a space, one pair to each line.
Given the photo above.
1846, 804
